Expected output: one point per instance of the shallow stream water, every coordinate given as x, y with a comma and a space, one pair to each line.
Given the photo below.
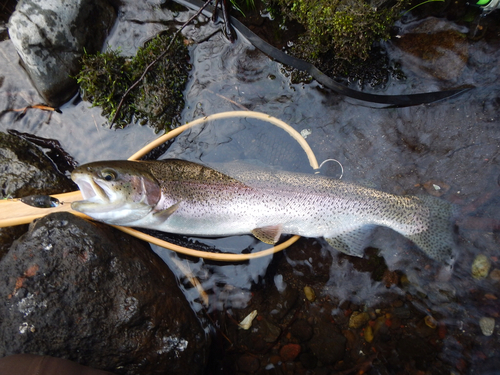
449, 148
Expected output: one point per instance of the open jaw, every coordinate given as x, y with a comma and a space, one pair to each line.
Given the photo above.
91, 191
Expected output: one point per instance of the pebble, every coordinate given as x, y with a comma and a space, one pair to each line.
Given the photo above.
310, 294
302, 330
430, 322
480, 267
368, 334
487, 325
289, 352
358, 319
248, 363
495, 274
247, 322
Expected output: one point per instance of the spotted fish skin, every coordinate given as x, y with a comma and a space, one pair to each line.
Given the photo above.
188, 198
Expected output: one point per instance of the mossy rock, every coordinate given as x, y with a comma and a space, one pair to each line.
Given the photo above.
157, 100
344, 28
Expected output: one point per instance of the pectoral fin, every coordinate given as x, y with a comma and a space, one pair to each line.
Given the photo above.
165, 214
270, 234
353, 242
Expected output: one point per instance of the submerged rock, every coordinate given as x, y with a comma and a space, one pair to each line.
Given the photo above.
480, 267
434, 47
487, 325
82, 291
25, 171
50, 38
29, 364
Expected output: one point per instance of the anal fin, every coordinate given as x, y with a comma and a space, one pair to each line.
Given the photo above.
270, 234
353, 242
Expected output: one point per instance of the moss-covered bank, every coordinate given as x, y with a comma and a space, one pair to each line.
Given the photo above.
156, 101
345, 28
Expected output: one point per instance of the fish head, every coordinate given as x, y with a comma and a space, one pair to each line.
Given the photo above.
116, 192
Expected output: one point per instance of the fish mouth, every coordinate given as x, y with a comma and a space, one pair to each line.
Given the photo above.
91, 191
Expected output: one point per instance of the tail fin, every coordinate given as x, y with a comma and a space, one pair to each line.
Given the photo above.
437, 241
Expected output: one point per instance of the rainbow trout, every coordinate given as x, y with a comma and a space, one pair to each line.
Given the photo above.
188, 198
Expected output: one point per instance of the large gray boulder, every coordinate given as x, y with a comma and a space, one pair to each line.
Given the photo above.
50, 37
82, 291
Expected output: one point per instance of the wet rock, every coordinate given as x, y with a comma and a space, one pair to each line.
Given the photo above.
50, 37
430, 322
436, 188
268, 330
302, 330
248, 364
310, 293
308, 360
289, 352
401, 312
434, 47
281, 303
415, 348
26, 170
358, 319
246, 323
29, 364
487, 325
327, 345
368, 334
8, 235
480, 267
495, 275
85, 292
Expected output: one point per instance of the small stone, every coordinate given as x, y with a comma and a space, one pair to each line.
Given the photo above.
289, 352
380, 322
487, 325
310, 294
308, 360
436, 188
302, 330
248, 363
430, 322
246, 323
495, 275
274, 360
270, 332
327, 345
358, 319
368, 334
480, 267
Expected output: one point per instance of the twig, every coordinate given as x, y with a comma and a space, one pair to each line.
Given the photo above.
43, 107
134, 85
229, 100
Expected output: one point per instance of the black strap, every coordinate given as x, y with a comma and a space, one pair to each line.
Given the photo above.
284, 58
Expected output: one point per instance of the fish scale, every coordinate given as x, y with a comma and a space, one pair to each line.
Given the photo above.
237, 198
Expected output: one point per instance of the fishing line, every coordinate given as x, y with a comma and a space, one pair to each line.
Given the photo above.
335, 160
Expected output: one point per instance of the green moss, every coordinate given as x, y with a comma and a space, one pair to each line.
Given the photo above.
346, 28
156, 101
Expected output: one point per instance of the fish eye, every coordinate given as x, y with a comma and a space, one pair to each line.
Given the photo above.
108, 175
